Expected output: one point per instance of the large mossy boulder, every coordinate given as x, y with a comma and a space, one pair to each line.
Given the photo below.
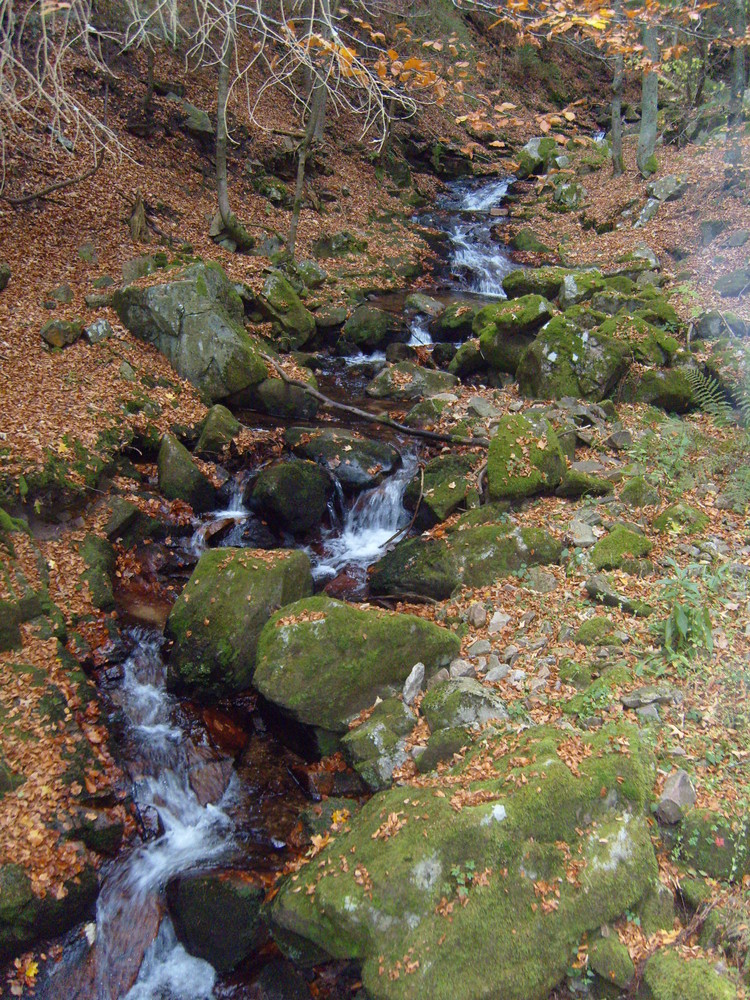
441, 489
180, 478
196, 321
537, 157
216, 916
481, 864
369, 327
357, 462
455, 322
669, 975
667, 388
279, 398
524, 459
682, 519
323, 661
506, 329
294, 495
409, 381
544, 281
476, 557
217, 431
565, 360
714, 845
215, 624
293, 324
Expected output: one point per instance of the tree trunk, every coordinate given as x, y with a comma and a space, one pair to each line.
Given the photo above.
618, 164
149, 95
234, 228
738, 53
645, 156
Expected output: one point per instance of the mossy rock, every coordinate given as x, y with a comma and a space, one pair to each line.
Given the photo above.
714, 846
216, 916
214, 644
280, 303
476, 557
468, 360
656, 909
408, 381
442, 745
681, 518
293, 494
217, 431
369, 327
544, 281
492, 839
638, 492
579, 286
99, 556
600, 694
618, 546
524, 459
442, 490
279, 399
526, 241
506, 329
377, 747
461, 702
455, 322
582, 484
598, 631
357, 462
649, 344
669, 389
611, 961
181, 479
426, 414
670, 976
489, 513
61, 332
564, 360
323, 661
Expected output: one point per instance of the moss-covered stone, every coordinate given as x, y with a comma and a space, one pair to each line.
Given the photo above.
455, 322
506, 329
377, 747
524, 459
618, 546
495, 841
425, 414
280, 303
598, 631
656, 909
461, 702
407, 380
293, 494
564, 360
468, 360
714, 846
216, 916
610, 960
670, 976
61, 332
681, 518
369, 327
217, 431
180, 478
323, 661
579, 286
214, 644
279, 399
545, 281
99, 556
527, 241
476, 557
638, 492
442, 745
357, 462
442, 490
582, 484
668, 389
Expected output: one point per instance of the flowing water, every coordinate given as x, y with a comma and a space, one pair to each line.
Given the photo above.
136, 954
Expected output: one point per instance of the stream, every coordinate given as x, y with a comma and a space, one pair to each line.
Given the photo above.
199, 809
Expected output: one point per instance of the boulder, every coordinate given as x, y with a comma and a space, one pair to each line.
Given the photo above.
669, 389
215, 624
217, 431
216, 916
506, 329
293, 324
537, 157
408, 381
278, 398
456, 322
99, 330
424, 304
638, 492
181, 479
564, 360
611, 961
618, 547
293, 494
482, 867
668, 975
61, 332
677, 796
681, 518
196, 320
357, 462
544, 281
734, 284
445, 486
668, 188
99, 556
377, 747
5, 273
461, 702
368, 328
467, 361
524, 459
577, 484
714, 845
526, 241
475, 556
323, 661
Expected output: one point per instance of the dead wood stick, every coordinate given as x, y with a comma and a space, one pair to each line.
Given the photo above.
58, 186
410, 525
372, 417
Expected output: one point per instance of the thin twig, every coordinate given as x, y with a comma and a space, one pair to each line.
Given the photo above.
372, 417
55, 187
410, 525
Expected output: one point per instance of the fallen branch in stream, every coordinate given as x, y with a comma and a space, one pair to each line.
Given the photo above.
372, 417
405, 530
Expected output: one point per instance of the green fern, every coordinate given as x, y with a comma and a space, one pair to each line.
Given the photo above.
709, 395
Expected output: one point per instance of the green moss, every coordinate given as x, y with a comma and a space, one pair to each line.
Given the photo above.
580, 484
638, 492
610, 960
615, 548
443, 489
523, 460
544, 281
598, 631
377, 747
442, 745
599, 695
506, 329
670, 976
294, 494
99, 556
180, 478
714, 846
681, 518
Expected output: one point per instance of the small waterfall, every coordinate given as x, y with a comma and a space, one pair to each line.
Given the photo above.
420, 333
368, 525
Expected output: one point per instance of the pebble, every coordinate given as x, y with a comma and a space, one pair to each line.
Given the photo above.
413, 683
510, 654
481, 647
462, 668
477, 616
527, 618
498, 622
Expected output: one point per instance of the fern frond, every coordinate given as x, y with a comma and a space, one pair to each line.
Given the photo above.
709, 396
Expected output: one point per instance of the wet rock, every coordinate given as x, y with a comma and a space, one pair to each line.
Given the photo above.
279, 980
506, 329
293, 494
61, 332
369, 328
377, 747
216, 916
181, 479
217, 620
97, 831
322, 661
440, 490
678, 796
524, 459
217, 431
357, 462
455, 322
406, 380
424, 304
209, 774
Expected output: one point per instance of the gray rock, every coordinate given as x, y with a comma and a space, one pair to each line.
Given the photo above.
517, 677
581, 535
413, 683
180, 478
668, 188
61, 332
678, 796
461, 702
498, 622
619, 439
647, 696
497, 673
539, 580
439, 677
462, 668
377, 747
477, 616
480, 648
600, 589
648, 713
479, 407
648, 211
99, 330
510, 654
